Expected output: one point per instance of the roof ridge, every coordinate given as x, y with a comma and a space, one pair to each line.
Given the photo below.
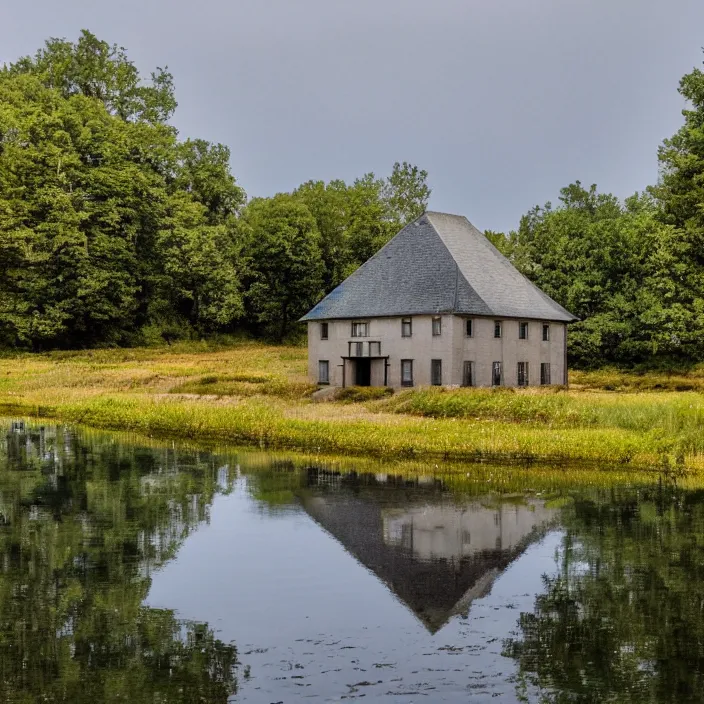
414, 272
483, 280
458, 269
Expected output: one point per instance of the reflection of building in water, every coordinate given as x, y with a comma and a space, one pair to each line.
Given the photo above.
452, 532
436, 555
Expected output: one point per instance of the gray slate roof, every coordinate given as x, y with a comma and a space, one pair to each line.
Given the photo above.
439, 263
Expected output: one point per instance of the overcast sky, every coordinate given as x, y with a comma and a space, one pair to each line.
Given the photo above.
502, 101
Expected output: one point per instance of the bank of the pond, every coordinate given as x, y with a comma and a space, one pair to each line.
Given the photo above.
550, 481
258, 395
265, 425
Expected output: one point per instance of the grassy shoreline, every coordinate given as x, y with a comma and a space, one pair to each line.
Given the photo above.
258, 395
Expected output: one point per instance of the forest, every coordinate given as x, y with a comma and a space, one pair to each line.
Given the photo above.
115, 230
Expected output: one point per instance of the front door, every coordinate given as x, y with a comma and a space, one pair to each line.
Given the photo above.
363, 372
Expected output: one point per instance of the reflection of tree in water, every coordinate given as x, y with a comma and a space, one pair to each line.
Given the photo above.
83, 522
623, 621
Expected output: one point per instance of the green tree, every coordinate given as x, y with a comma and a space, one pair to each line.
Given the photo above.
369, 226
284, 262
108, 224
406, 193
330, 205
203, 171
356, 220
65, 252
618, 268
200, 266
96, 69
681, 185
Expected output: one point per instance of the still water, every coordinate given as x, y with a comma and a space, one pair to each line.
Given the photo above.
152, 573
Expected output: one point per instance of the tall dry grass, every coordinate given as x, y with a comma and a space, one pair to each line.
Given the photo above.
259, 394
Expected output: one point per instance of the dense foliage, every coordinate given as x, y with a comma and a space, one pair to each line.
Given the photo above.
632, 271
114, 231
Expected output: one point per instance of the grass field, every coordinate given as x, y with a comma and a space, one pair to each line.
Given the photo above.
257, 394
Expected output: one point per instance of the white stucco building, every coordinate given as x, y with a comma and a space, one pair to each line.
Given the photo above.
438, 305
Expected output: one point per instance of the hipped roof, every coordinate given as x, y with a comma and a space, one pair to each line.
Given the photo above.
439, 263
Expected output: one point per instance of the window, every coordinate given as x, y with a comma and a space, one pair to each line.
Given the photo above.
496, 374
497, 328
545, 373
406, 372
437, 326
523, 373
323, 371
360, 329
436, 372
406, 327
323, 331
522, 331
469, 327
468, 374
357, 349
546, 332
375, 349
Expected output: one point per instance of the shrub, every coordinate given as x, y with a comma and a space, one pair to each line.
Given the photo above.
357, 394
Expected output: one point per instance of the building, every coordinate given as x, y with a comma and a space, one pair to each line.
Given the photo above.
438, 305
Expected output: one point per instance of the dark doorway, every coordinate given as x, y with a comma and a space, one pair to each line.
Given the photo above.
363, 372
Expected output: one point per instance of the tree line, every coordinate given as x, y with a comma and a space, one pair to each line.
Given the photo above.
632, 271
115, 231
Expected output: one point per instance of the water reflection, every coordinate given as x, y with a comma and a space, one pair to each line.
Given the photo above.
130, 571
623, 617
83, 522
436, 555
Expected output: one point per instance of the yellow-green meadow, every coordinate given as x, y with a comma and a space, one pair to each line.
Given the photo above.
251, 393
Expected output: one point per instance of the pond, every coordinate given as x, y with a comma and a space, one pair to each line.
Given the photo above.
139, 571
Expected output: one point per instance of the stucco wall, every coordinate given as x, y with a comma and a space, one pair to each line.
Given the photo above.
453, 347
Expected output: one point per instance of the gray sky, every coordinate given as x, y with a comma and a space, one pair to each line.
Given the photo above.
502, 101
